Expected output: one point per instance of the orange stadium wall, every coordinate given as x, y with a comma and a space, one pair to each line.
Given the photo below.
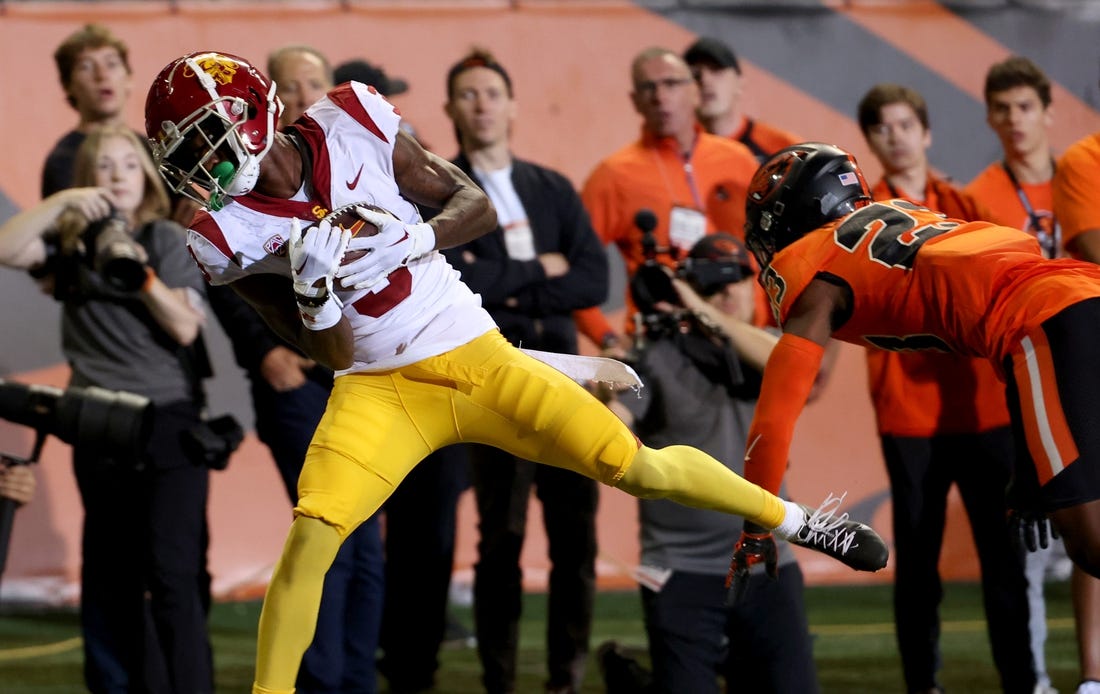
569, 61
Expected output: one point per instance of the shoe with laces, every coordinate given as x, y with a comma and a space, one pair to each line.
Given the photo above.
850, 542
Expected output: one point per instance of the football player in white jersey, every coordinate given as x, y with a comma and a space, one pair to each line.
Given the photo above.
420, 365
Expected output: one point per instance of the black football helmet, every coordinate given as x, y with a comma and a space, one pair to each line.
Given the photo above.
797, 190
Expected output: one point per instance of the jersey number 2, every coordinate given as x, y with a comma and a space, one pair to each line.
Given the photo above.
896, 236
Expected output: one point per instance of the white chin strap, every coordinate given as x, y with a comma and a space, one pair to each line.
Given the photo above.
245, 179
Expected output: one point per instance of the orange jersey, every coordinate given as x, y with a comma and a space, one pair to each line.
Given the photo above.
1076, 181
922, 281
652, 174
998, 195
922, 394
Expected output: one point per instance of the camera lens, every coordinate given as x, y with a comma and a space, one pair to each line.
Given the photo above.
117, 256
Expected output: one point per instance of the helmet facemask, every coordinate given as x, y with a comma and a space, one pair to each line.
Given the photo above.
185, 150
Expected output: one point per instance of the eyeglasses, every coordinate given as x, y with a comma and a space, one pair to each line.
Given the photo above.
650, 88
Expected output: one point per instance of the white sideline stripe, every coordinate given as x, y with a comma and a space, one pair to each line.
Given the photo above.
1040, 407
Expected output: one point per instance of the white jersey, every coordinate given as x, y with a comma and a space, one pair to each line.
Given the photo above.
348, 137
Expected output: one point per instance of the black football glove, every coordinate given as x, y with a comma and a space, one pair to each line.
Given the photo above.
1031, 529
755, 546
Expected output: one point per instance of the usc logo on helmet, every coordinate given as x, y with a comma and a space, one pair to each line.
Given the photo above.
218, 68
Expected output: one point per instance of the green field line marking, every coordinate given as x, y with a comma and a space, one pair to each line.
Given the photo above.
41, 651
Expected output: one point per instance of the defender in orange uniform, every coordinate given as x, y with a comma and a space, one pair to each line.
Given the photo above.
897, 276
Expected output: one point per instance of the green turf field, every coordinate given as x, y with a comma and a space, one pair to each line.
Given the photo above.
853, 644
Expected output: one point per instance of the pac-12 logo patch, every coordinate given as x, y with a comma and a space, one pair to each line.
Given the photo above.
276, 245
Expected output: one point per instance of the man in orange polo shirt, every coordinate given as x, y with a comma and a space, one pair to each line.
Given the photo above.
943, 420
1016, 191
694, 183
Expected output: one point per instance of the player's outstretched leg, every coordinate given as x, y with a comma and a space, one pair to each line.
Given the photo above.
693, 478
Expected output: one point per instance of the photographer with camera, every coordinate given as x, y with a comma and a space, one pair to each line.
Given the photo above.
701, 358
131, 308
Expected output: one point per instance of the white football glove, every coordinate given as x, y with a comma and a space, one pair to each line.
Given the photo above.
395, 244
314, 257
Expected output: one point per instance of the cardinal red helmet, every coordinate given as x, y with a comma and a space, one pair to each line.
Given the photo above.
797, 190
211, 118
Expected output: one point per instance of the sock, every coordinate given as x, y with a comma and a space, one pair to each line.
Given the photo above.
792, 522
289, 615
693, 478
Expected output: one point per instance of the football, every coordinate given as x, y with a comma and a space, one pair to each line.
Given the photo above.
346, 217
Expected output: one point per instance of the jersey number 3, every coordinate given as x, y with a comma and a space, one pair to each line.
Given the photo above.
896, 236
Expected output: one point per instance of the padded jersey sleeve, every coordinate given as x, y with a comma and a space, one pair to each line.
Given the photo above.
209, 249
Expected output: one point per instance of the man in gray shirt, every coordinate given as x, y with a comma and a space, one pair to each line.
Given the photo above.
702, 368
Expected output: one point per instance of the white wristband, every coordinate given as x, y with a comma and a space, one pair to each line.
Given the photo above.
322, 317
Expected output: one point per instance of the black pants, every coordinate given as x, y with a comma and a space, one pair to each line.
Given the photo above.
921, 472
503, 485
420, 549
762, 644
144, 530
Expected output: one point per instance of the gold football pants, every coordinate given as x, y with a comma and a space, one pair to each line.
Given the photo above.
378, 426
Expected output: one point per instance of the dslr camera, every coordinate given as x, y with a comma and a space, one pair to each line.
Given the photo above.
115, 254
107, 249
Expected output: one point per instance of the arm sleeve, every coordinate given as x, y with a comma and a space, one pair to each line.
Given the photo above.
788, 379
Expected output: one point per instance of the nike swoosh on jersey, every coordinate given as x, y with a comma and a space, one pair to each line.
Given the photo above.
355, 181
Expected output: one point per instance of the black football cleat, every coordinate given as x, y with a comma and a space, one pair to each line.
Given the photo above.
850, 542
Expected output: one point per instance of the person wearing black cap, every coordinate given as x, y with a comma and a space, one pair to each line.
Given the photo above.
375, 76
543, 261
701, 360
721, 82
359, 70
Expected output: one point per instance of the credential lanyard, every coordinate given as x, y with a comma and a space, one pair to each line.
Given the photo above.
689, 176
1051, 241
